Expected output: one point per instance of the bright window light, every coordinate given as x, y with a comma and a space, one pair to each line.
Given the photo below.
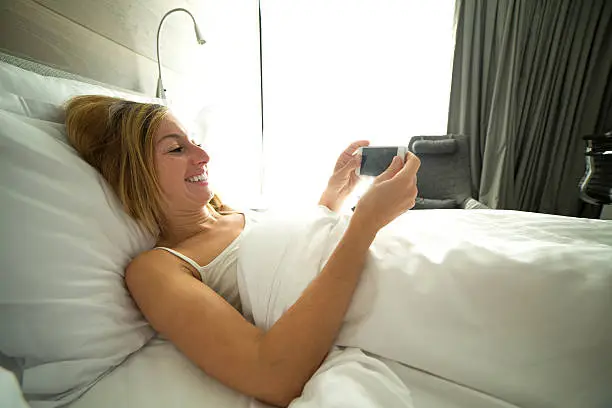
334, 71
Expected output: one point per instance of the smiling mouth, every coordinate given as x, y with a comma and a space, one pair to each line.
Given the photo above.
197, 179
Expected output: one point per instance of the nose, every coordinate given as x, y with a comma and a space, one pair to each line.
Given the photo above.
200, 156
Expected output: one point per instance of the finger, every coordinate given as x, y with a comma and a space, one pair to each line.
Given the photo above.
411, 166
391, 171
352, 148
352, 164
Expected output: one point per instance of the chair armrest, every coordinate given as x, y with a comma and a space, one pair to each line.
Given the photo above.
473, 204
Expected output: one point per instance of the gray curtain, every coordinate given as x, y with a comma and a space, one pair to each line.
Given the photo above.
530, 78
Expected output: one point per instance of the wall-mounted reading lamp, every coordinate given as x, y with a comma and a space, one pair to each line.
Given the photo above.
161, 91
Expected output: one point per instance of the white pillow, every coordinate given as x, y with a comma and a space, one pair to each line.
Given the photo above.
42, 97
64, 307
10, 394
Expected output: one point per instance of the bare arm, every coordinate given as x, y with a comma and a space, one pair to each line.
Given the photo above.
272, 366
299, 341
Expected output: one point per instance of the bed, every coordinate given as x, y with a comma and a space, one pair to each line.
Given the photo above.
70, 332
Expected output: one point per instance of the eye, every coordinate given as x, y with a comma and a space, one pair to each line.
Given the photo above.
196, 143
177, 149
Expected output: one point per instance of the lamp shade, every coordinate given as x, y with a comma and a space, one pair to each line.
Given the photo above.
198, 34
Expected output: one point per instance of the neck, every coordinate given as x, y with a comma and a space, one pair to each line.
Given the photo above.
182, 225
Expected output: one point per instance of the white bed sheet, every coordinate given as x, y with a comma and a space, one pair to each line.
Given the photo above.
159, 376
429, 391
516, 305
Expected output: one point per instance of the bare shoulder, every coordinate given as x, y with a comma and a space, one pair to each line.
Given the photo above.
153, 262
148, 259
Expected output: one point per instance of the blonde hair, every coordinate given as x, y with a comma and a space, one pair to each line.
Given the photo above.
116, 137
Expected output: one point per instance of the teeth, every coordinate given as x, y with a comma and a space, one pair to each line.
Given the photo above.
195, 179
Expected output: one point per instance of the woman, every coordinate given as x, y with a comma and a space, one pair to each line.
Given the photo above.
161, 178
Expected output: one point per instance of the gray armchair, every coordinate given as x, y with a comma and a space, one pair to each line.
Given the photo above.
444, 179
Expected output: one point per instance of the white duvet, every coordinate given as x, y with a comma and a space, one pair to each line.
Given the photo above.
514, 305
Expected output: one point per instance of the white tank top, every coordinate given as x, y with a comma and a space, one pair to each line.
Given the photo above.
222, 272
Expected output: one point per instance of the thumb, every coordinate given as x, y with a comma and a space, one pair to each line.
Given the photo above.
395, 166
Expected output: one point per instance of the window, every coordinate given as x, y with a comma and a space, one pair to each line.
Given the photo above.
334, 71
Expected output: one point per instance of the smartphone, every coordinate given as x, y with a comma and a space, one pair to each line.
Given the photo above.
376, 159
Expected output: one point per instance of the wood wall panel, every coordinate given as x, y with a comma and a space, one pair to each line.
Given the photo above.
27, 29
114, 41
134, 23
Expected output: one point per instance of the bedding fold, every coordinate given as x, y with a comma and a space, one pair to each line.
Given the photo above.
514, 305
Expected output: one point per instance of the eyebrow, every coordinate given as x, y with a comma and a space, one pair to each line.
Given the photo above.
175, 136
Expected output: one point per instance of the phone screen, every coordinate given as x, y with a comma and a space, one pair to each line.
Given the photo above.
375, 160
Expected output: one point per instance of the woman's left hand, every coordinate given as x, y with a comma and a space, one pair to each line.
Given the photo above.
344, 179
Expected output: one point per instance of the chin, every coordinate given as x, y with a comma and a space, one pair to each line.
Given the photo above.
208, 197
201, 194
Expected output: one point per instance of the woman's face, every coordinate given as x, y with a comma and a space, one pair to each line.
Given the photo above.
181, 166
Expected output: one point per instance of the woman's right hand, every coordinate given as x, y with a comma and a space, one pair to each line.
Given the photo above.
392, 193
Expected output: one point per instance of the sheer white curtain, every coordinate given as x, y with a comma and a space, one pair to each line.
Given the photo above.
335, 71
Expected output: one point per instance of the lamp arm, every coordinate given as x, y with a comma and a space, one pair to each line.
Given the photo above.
160, 84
